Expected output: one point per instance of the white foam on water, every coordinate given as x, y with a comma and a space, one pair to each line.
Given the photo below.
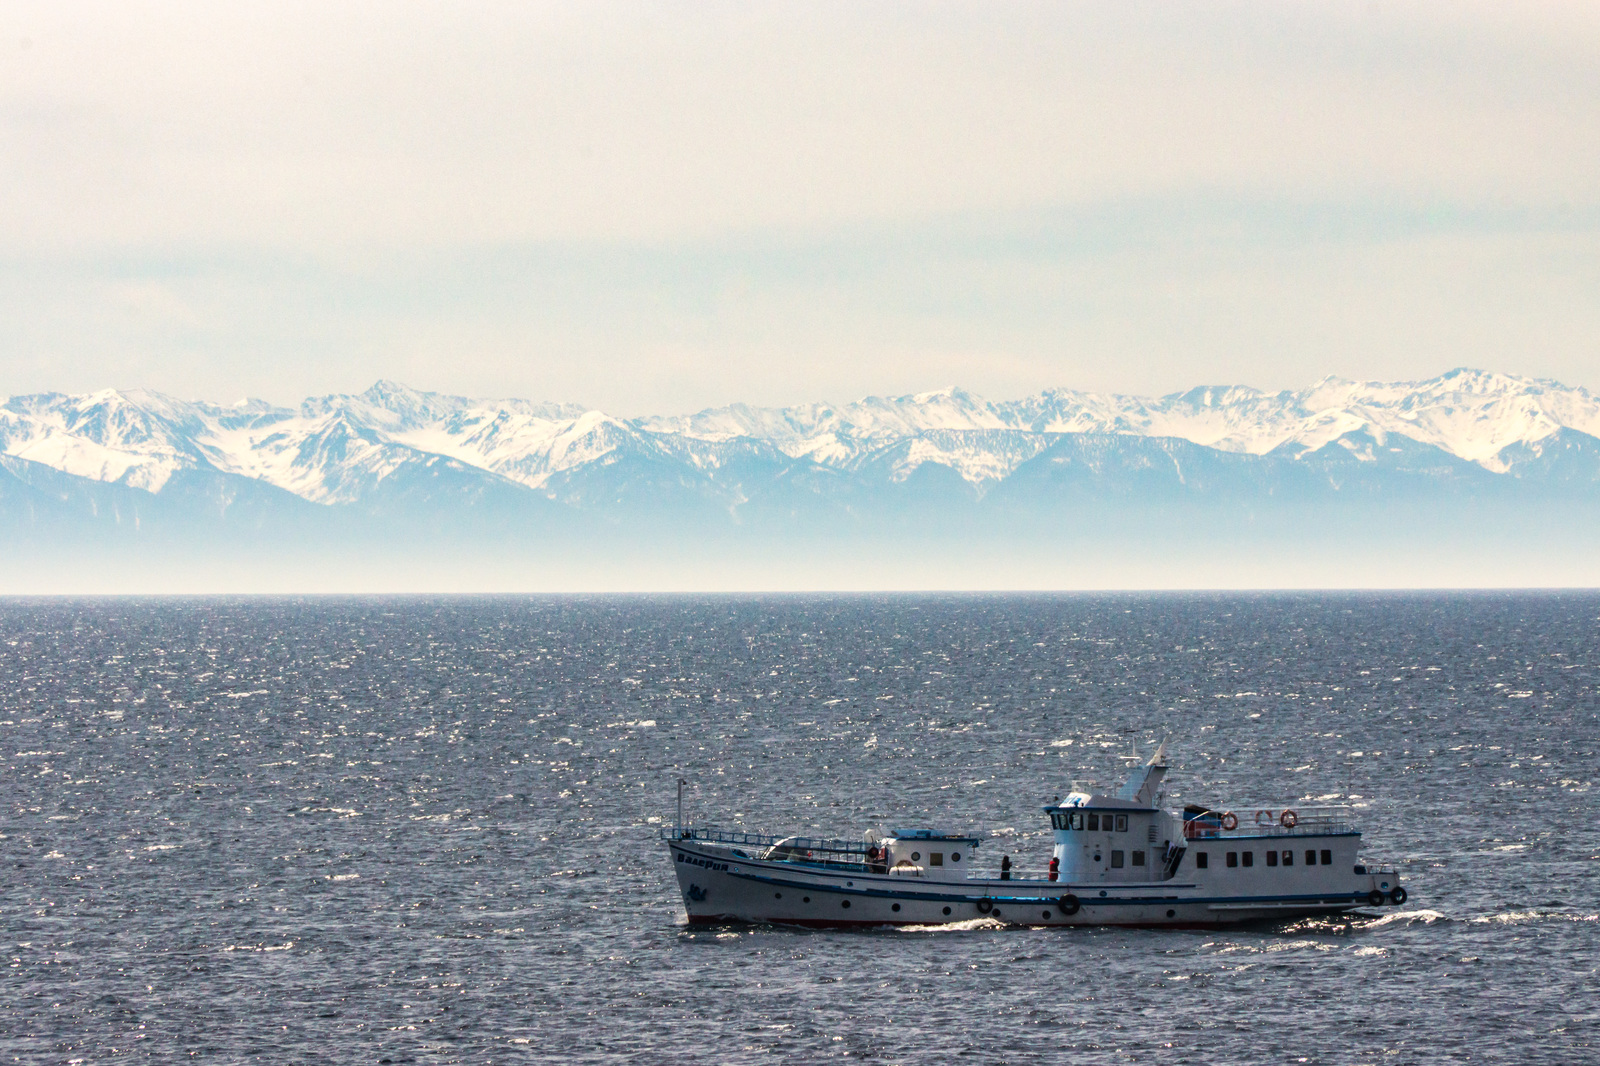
1424, 917
1300, 945
1523, 917
971, 925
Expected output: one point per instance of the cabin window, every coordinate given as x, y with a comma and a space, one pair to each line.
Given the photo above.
1288, 858
1077, 819
1233, 858
1361, 869
1116, 860
1249, 858
1311, 857
1327, 857
935, 858
1272, 858
1122, 823
1138, 858
1201, 860
1094, 823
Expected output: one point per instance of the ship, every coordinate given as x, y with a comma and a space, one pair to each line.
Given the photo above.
1119, 859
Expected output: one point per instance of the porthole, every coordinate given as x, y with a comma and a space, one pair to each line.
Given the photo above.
1172, 914
956, 857
844, 903
947, 910
1047, 916
916, 856
995, 913
777, 895
805, 899
896, 907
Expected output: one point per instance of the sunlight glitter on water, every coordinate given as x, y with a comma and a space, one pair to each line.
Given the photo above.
431, 829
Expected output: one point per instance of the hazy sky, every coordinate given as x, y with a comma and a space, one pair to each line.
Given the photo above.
659, 207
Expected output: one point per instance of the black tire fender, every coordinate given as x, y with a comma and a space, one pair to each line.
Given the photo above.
1068, 904
1398, 896
1374, 898
984, 906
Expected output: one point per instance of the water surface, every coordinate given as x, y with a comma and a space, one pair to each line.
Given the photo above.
424, 830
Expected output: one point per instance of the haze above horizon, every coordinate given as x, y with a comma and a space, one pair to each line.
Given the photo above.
668, 208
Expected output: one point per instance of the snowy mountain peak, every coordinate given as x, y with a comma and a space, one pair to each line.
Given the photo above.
337, 448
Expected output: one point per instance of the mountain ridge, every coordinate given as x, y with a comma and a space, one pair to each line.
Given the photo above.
432, 458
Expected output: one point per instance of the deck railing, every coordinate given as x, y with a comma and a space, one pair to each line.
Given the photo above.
1269, 821
710, 834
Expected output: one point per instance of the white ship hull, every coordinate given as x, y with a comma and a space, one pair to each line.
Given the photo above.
719, 885
1117, 859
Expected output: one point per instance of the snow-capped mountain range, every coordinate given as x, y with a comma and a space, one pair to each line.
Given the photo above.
328, 447
1466, 427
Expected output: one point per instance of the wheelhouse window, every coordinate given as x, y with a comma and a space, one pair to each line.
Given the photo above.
1327, 857
1288, 858
1201, 860
1272, 858
1249, 858
1138, 858
1122, 823
1233, 858
1311, 857
1094, 823
1116, 860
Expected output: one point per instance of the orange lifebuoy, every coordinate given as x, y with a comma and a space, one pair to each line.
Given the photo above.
1230, 820
1288, 819
1263, 817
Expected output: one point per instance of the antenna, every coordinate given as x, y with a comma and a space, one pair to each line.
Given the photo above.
681, 783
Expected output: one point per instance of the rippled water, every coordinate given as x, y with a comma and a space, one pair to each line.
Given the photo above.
424, 829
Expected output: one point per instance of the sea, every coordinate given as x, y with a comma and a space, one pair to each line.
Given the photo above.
426, 830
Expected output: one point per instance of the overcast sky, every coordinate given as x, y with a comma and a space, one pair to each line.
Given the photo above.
661, 207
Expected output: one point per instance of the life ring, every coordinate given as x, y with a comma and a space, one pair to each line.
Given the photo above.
1374, 898
1263, 817
1068, 904
1230, 820
1398, 896
1288, 819
984, 906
